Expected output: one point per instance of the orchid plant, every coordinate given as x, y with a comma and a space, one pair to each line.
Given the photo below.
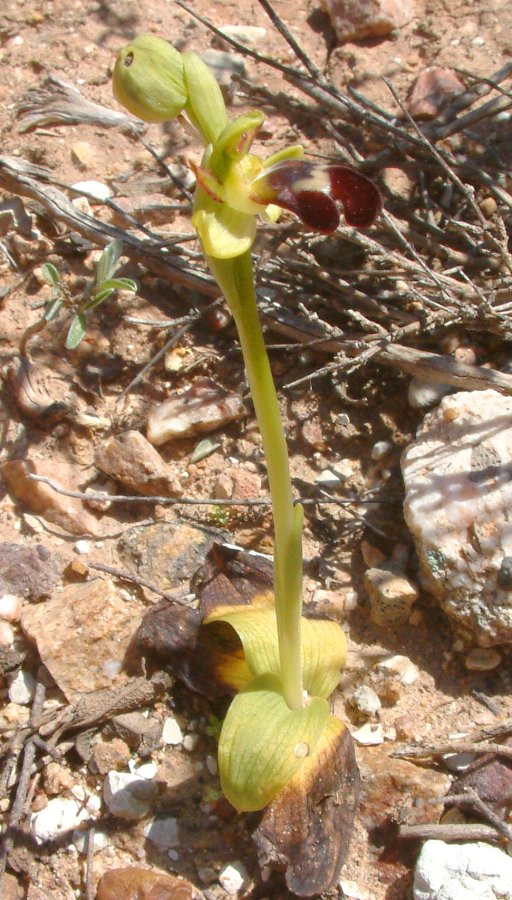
287, 666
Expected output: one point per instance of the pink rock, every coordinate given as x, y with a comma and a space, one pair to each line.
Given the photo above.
203, 407
67, 512
82, 635
354, 20
431, 90
132, 460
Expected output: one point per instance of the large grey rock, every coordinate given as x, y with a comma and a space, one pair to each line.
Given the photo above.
458, 506
462, 871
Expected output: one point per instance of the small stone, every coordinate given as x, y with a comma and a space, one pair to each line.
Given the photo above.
366, 701
130, 459
402, 667
212, 765
201, 408
80, 840
83, 153
207, 875
334, 603
171, 732
380, 450
391, 596
423, 393
224, 65
83, 547
6, 635
109, 755
10, 607
328, 478
190, 742
372, 556
94, 189
459, 871
312, 434
354, 20
458, 762
22, 687
431, 91
233, 877
489, 207
28, 571
57, 779
163, 832
128, 796
482, 659
57, 818
249, 35
369, 735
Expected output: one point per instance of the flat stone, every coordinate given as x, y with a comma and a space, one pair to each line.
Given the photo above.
134, 881
130, 459
458, 506
203, 407
28, 570
233, 877
66, 512
461, 871
354, 20
82, 634
163, 832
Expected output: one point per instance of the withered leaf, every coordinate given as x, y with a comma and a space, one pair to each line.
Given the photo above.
143, 884
230, 577
306, 830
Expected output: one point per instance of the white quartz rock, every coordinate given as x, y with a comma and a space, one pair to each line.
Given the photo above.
60, 816
458, 506
128, 796
462, 872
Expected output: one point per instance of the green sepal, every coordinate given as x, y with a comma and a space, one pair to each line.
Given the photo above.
296, 151
235, 141
323, 647
205, 105
148, 79
264, 743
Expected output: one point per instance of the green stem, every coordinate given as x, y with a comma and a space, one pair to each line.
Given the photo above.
236, 279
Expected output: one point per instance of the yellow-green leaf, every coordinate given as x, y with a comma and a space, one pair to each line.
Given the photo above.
324, 646
264, 743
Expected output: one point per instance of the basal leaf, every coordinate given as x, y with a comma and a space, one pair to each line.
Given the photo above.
323, 646
264, 743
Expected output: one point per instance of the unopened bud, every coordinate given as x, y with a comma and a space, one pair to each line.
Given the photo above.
148, 79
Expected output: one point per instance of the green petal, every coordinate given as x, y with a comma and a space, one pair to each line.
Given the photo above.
264, 743
224, 232
324, 646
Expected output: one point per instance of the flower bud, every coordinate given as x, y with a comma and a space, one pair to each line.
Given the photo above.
148, 79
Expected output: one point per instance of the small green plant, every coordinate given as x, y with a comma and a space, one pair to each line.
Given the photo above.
96, 292
279, 722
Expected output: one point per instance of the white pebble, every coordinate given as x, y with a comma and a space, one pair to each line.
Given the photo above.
380, 450
101, 840
190, 742
112, 667
95, 189
128, 796
458, 762
462, 871
173, 854
233, 877
163, 833
369, 735
402, 667
6, 635
250, 35
83, 547
22, 687
171, 732
59, 816
211, 765
366, 700
10, 607
423, 393
327, 478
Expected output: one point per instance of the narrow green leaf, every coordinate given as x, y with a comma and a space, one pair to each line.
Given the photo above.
52, 308
50, 274
98, 298
108, 261
264, 743
76, 331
